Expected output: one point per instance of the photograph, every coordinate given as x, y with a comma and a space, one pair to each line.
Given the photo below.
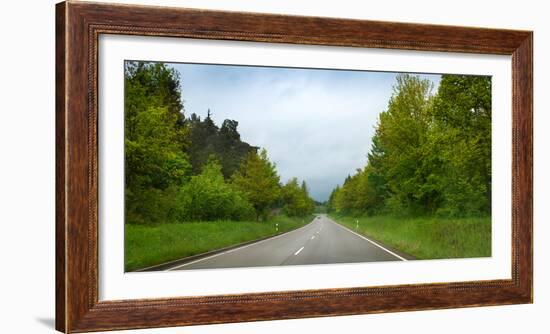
229, 166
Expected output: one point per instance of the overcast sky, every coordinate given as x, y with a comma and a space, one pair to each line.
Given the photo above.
316, 125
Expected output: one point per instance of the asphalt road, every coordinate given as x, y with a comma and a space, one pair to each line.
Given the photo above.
320, 242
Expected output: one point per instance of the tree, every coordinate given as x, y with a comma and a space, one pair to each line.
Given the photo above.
155, 139
202, 135
257, 179
206, 140
157, 84
208, 197
331, 203
461, 138
310, 203
376, 176
400, 137
296, 200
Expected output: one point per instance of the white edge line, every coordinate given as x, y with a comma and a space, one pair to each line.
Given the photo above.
372, 242
238, 248
298, 251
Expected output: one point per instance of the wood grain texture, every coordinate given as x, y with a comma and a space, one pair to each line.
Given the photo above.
60, 135
78, 27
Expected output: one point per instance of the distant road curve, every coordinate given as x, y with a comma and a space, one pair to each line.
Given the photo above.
320, 242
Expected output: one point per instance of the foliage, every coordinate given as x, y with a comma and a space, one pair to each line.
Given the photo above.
207, 139
462, 139
155, 162
208, 197
356, 195
296, 199
257, 179
431, 153
181, 169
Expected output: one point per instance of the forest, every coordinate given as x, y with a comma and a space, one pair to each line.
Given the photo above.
430, 155
184, 170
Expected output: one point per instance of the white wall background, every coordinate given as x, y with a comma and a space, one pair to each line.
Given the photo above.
27, 71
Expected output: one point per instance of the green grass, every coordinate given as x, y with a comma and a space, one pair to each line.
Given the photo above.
427, 237
150, 245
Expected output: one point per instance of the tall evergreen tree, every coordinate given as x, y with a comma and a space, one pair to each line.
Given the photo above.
224, 143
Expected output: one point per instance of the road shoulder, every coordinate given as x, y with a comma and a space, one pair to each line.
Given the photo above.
401, 254
179, 262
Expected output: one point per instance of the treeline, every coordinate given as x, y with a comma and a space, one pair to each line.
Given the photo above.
187, 169
430, 155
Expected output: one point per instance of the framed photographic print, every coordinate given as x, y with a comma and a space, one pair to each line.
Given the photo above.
223, 166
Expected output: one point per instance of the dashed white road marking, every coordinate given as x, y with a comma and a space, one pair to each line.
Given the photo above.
298, 251
312, 237
239, 248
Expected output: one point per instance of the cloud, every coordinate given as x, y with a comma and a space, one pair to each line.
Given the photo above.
316, 125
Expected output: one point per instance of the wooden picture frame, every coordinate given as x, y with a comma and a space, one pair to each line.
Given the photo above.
78, 26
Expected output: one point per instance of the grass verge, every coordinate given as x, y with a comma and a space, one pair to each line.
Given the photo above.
427, 237
150, 245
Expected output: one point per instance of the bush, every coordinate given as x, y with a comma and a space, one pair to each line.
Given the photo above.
208, 197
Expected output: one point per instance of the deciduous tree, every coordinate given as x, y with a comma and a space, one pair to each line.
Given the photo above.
257, 179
